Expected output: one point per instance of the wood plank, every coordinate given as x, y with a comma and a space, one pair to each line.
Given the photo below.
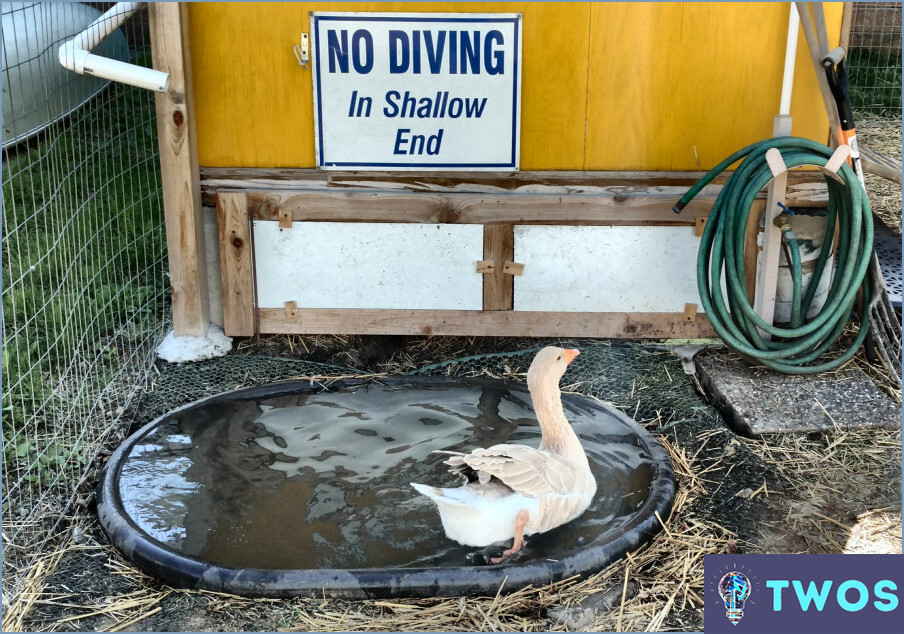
236, 273
646, 111
554, 182
484, 323
258, 108
767, 272
690, 312
874, 162
179, 170
498, 248
285, 178
752, 248
486, 209
580, 88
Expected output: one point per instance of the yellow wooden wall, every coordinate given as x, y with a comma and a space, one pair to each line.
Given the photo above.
606, 86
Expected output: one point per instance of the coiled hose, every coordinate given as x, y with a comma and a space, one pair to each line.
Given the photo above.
792, 349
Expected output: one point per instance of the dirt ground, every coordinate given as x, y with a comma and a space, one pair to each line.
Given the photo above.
815, 493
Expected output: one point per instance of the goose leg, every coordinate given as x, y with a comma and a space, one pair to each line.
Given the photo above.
520, 523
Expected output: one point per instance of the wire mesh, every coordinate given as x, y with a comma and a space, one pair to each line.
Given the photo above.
84, 280
874, 58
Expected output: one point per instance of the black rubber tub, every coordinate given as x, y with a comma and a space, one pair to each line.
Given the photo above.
293, 488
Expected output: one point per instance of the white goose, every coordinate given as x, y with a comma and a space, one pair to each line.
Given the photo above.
516, 490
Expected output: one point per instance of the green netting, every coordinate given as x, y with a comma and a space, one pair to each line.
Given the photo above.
179, 384
644, 381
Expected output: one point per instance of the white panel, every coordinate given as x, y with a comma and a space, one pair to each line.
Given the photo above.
606, 269
369, 265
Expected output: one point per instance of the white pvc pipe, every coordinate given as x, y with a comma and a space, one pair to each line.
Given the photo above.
75, 56
790, 56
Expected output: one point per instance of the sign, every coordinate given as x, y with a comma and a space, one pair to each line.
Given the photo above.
433, 91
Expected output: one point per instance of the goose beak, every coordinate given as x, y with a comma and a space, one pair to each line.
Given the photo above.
571, 354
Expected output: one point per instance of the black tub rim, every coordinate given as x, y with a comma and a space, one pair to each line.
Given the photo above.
185, 571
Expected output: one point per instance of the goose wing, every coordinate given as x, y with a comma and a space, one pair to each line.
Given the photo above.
525, 470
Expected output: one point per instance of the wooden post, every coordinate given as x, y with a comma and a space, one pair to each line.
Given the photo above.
179, 169
498, 248
236, 278
767, 272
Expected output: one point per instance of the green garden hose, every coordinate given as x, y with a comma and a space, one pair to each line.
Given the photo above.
795, 349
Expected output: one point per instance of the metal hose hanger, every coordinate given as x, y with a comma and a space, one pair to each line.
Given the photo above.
797, 348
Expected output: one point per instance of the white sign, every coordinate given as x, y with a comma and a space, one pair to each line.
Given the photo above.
417, 91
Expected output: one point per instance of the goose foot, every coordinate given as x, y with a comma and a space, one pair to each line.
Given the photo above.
485, 556
520, 523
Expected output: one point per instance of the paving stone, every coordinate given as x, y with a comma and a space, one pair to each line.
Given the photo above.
757, 400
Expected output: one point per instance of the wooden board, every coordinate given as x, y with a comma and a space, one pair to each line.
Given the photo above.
655, 207
805, 188
668, 106
258, 108
372, 266
606, 85
179, 170
485, 323
498, 248
236, 276
606, 269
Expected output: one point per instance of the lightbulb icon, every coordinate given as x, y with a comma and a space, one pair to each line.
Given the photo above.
734, 588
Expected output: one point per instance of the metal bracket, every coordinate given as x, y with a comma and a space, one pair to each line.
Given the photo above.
302, 54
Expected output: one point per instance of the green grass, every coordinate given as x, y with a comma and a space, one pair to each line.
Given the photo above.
875, 82
82, 263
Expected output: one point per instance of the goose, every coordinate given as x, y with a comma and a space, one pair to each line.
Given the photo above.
516, 490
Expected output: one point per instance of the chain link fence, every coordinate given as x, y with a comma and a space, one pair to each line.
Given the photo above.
874, 58
85, 290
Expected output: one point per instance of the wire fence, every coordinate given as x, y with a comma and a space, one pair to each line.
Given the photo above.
84, 285
85, 290
874, 58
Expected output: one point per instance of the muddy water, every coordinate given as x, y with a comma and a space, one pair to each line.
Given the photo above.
317, 479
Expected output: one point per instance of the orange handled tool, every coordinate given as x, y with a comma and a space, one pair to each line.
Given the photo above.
837, 76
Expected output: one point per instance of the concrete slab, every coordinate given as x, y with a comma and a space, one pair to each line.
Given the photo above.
757, 400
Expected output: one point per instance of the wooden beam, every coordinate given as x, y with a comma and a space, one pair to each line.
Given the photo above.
486, 209
767, 271
179, 170
499, 248
484, 323
613, 184
236, 273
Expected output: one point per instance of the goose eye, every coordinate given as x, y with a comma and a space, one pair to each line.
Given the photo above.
559, 358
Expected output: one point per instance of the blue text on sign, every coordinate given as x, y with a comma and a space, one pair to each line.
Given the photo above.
463, 52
